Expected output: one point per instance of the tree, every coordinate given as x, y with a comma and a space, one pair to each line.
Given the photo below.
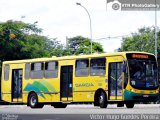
80, 45
20, 40
141, 41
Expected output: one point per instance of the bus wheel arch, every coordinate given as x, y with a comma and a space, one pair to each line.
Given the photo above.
33, 100
100, 98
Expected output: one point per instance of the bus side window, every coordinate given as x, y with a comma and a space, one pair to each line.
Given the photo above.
6, 72
51, 69
98, 66
37, 70
82, 67
27, 71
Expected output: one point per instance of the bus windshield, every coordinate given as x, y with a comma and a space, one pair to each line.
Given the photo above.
143, 73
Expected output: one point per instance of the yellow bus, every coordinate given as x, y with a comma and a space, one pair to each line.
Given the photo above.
124, 78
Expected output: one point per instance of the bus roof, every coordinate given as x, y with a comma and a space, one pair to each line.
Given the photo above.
72, 57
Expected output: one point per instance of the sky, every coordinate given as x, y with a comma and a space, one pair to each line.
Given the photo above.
63, 18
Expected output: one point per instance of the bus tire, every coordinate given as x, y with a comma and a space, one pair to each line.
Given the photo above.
129, 104
103, 100
59, 105
33, 101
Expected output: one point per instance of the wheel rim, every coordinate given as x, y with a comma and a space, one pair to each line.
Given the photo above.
101, 99
33, 101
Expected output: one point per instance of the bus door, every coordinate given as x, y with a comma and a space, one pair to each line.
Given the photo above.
115, 85
17, 85
66, 81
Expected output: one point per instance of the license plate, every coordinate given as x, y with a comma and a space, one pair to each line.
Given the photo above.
145, 95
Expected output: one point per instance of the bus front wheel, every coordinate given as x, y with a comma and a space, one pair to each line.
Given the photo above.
129, 104
103, 100
33, 101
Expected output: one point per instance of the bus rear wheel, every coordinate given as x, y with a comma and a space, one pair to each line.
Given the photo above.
103, 100
33, 101
129, 104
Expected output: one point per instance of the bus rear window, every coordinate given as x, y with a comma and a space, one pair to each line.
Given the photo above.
6, 72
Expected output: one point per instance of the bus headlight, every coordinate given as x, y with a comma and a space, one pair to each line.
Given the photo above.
157, 91
132, 90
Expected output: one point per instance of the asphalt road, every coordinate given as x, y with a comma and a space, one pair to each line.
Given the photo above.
80, 112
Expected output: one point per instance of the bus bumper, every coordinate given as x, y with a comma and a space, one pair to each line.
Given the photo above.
128, 95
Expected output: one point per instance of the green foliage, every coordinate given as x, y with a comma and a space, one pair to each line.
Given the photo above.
81, 45
142, 41
20, 40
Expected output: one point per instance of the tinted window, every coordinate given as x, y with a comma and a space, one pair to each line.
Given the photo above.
98, 66
143, 74
36, 70
51, 69
82, 67
115, 79
27, 71
6, 72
